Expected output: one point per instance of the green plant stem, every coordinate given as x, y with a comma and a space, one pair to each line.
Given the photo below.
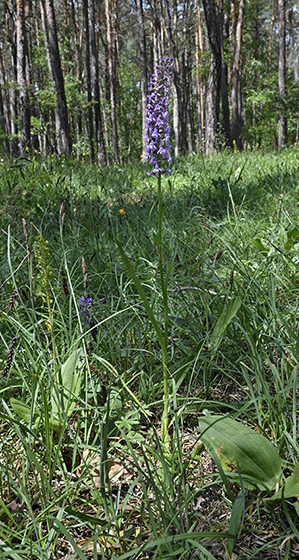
165, 416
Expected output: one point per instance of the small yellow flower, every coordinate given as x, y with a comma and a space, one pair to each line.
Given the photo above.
121, 212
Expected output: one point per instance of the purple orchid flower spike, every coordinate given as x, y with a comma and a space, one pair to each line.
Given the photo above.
85, 302
158, 150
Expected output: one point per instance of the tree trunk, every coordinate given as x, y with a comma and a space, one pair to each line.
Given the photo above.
13, 100
199, 60
224, 89
214, 79
156, 33
176, 78
236, 125
24, 106
271, 35
88, 82
96, 89
112, 80
282, 128
64, 139
5, 117
143, 64
296, 75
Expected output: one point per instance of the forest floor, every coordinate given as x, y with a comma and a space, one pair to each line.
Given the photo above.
122, 339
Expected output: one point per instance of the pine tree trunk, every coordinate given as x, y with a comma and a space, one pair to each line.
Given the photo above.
214, 79
143, 65
271, 35
176, 79
112, 80
5, 120
13, 100
236, 125
64, 139
296, 76
101, 154
199, 60
224, 88
282, 128
88, 82
24, 106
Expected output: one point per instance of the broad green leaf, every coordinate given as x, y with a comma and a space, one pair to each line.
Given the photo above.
292, 236
262, 249
228, 313
290, 488
21, 409
68, 385
242, 450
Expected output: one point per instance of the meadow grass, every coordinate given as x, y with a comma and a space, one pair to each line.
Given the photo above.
84, 473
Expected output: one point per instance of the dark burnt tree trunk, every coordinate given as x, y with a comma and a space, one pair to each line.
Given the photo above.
214, 79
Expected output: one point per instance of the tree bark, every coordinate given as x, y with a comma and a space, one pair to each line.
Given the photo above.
271, 35
24, 106
143, 64
13, 100
237, 26
101, 153
64, 139
5, 117
296, 76
214, 79
224, 88
199, 61
88, 82
282, 127
112, 80
176, 79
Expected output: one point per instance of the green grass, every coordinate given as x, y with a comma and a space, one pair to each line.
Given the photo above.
229, 235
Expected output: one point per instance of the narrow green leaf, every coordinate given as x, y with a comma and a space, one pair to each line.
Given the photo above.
228, 313
236, 517
141, 293
86, 517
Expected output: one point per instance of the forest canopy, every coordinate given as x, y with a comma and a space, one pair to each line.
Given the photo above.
74, 75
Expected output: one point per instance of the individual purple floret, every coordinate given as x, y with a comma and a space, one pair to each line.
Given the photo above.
85, 303
158, 149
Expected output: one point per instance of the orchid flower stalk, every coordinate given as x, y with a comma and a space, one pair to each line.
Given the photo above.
158, 153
